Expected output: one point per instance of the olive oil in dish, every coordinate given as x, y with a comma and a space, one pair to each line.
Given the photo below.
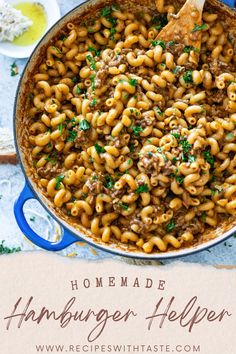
36, 13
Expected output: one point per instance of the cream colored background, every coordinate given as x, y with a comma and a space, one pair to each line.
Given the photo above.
47, 277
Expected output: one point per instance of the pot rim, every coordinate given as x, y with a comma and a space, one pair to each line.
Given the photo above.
63, 224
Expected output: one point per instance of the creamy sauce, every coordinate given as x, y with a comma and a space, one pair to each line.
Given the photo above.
36, 13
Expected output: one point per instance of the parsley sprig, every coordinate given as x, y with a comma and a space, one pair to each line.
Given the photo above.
199, 27
59, 179
14, 69
109, 182
137, 129
143, 188
72, 135
170, 226
100, 149
6, 250
158, 42
96, 51
188, 77
92, 62
209, 158
84, 125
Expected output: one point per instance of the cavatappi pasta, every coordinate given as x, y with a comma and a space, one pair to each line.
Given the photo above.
132, 137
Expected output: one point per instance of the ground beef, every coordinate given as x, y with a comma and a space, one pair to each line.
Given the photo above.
217, 67
142, 227
101, 76
216, 96
149, 163
176, 49
115, 193
195, 225
216, 112
49, 171
82, 137
95, 187
119, 141
168, 168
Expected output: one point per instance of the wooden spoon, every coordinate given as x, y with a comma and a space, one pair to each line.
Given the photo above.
185, 27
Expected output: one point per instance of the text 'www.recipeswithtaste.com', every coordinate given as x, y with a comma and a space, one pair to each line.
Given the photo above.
161, 348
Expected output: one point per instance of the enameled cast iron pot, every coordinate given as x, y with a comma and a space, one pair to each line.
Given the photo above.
71, 232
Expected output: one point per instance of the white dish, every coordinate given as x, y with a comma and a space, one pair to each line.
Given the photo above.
53, 14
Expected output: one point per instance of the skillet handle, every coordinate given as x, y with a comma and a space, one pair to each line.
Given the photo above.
231, 3
67, 237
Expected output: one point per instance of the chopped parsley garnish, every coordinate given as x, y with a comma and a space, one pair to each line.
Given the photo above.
160, 150
73, 198
59, 179
185, 145
129, 161
131, 148
100, 149
92, 62
115, 7
5, 249
158, 42
47, 158
143, 188
78, 89
106, 11
96, 51
133, 82
203, 216
14, 69
188, 76
189, 48
176, 135
158, 111
63, 38
209, 158
94, 178
199, 28
179, 179
123, 206
109, 182
74, 121
112, 33
75, 79
160, 21
213, 192
84, 125
171, 43
213, 178
176, 69
57, 50
191, 158
174, 159
137, 129
93, 103
92, 77
60, 128
32, 218
72, 135
170, 226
